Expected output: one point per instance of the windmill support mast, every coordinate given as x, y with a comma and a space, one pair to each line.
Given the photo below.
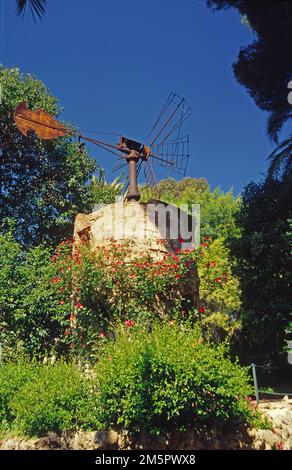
132, 159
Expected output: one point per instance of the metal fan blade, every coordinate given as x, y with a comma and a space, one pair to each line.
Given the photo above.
39, 121
151, 182
173, 154
174, 112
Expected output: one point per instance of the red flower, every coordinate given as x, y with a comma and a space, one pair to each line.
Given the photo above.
67, 332
218, 279
62, 302
213, 264
79, 305
202, 310
129, 323
181, 240
61, 289
188, 263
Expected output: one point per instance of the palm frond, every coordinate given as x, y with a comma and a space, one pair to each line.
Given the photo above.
275, 123
37, 7
280, 158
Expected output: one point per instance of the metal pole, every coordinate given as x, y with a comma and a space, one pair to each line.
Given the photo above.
132, 159
254, 374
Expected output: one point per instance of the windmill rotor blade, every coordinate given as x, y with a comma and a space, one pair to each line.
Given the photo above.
151, 182
173, 114
185, 115
173, 154
39, 121
163, 110
150, 175
167, 121
119, 167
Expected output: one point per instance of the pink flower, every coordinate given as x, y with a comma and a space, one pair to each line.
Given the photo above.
129, 323
61, 302
102, 335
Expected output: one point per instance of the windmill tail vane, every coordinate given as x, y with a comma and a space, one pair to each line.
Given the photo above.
173, 154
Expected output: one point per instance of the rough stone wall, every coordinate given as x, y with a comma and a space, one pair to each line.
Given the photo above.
200, 437
133, 221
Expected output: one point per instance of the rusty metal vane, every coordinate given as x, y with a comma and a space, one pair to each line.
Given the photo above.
42, 123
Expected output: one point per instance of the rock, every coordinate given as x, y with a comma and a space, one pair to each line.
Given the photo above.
112, 438
288, 444
280, 417
89, 440
123, 441
266, 439
10, 444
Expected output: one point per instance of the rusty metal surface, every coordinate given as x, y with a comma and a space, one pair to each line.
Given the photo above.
39, 121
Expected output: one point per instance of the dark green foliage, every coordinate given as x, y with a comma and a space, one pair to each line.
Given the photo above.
31, 317
13, 376
169, 378
43, 183
36, 399
264, 268
264, 67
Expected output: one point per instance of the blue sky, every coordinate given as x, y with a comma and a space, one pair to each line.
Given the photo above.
112, 64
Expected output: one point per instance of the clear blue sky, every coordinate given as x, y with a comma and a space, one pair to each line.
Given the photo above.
112, 63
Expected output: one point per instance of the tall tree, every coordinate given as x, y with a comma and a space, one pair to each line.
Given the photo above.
264, 67
264, 268
43, 184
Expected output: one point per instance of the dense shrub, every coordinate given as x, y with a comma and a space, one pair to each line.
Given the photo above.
31, 316
264, 268
13, 376
169, 377
36, 399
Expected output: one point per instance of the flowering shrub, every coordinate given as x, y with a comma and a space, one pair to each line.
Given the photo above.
168, 378
102, 287
72, 298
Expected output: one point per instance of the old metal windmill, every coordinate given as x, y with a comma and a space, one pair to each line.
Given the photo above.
165, 144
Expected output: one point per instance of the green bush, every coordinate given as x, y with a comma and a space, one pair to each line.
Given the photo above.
36, 399
167, 378
12, 378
